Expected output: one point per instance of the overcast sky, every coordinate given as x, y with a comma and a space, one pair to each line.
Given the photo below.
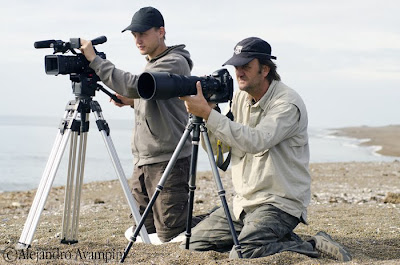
342, 56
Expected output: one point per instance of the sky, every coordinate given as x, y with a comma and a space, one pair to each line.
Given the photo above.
342, 56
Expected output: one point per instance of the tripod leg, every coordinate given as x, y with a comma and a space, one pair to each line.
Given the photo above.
70, 223
76, 164
221, 191
192, 182
78, 185
159, 188
66, 221
105, 132
46, 182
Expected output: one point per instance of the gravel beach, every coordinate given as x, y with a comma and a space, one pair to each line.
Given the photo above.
358, 204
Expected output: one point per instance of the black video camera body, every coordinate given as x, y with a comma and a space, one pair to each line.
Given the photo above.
84, 79
67, 64
217, 87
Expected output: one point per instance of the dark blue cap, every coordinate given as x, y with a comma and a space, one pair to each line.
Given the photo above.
249, 49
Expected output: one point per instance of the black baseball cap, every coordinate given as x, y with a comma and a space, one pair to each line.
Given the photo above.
249, 49
145, 19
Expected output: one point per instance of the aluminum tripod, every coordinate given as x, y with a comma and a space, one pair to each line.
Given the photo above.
196, 124
75, 123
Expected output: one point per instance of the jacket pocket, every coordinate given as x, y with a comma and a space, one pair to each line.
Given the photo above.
145, 140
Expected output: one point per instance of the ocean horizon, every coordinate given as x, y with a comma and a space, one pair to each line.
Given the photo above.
26, 143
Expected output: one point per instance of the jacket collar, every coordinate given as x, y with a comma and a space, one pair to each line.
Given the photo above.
170, 48
262, 103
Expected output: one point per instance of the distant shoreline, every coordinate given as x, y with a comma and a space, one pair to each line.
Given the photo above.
36, 155
387, 137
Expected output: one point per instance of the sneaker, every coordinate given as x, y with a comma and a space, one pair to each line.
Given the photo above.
325, 244
154, 239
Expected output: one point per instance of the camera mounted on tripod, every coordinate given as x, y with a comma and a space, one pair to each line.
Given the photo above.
217, 87
84, 79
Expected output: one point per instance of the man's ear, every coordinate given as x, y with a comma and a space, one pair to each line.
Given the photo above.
265, 70
161, 30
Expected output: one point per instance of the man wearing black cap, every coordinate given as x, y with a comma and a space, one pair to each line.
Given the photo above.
159, 124
270, 157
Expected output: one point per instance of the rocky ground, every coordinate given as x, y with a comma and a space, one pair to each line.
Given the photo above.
358, 204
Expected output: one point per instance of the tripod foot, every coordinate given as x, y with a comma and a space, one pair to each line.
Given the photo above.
21, 246
68, 242
126, 251
129, 234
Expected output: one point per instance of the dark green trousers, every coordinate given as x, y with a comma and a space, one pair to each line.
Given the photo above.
264, 231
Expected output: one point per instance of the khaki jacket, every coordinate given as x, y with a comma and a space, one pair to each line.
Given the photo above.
270, 152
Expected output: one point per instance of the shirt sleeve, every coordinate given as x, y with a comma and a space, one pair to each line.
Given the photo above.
279, 123
124, 83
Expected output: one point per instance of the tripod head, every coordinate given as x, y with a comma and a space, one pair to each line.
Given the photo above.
84, 85
195, 119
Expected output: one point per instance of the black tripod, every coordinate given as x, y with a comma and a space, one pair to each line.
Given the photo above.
196, 124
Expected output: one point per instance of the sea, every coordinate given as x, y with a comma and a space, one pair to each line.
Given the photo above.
26, 143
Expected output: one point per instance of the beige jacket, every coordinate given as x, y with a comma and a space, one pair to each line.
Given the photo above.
270, 152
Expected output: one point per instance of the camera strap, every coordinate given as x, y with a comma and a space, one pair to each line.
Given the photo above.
223, 165
220, 157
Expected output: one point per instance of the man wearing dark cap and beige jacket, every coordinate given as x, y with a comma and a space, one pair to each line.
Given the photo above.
159, 124
270, 157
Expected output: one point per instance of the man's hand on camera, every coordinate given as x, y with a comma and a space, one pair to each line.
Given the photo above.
87, 49
125, 101
197, 104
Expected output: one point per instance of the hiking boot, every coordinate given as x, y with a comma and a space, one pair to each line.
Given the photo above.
328, 246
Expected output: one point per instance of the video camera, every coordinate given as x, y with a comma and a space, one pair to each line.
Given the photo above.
84, 80
217, 87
